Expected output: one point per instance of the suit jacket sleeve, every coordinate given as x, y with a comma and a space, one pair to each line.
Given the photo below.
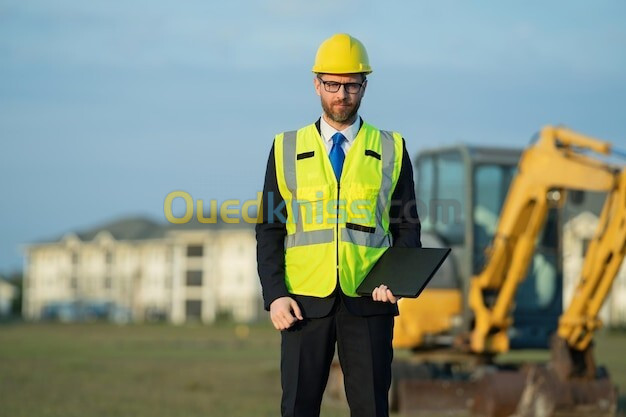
404, 221
270, 236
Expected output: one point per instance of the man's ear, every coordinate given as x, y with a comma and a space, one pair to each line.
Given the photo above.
363, 88
317, 84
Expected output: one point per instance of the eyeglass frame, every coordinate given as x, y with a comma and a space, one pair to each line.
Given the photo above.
342, 85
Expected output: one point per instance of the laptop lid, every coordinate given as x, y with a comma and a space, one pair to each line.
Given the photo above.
405, 271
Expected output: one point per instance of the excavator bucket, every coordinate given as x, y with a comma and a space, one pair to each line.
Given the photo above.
429, 389
531, 391
569, 385
547, 395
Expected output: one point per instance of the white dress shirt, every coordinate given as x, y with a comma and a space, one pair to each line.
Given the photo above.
350, 132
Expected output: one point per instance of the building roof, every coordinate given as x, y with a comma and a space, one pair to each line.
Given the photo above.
143, 227
128, 228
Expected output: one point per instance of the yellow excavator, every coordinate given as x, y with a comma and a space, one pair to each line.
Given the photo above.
513, 298
486, 302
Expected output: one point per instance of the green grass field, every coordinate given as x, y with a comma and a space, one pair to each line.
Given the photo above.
89, 370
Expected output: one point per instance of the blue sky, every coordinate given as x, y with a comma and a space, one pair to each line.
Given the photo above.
107, 106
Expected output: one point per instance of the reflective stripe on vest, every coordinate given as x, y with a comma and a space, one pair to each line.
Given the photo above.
300, 238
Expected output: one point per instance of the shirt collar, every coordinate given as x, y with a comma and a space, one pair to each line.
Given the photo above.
350, 132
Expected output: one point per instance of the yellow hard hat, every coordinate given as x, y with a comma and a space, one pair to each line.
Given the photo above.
341, 54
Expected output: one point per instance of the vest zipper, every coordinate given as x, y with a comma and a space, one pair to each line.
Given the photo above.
338, 237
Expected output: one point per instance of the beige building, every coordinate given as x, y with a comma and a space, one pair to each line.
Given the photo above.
136, 269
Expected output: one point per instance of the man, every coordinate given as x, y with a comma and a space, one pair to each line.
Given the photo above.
337, 194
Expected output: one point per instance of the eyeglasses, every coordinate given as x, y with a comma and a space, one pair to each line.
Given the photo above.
333, 86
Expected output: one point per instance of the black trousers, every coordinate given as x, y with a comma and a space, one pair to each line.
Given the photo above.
365, 353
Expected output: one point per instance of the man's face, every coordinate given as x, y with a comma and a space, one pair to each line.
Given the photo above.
341, 106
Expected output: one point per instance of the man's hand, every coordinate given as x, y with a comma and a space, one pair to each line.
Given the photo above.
382, 293
280, 312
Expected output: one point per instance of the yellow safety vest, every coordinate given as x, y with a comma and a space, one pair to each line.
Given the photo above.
335, 229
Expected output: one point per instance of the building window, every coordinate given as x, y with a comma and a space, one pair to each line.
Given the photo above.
193, 309
195, 251
74, 258
194, 278
107, 282
108, 258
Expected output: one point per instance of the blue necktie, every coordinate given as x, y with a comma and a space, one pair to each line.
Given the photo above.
336, 154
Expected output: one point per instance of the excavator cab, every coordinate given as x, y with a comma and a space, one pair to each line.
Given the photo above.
460, 192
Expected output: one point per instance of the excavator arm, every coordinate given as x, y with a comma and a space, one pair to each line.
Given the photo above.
572, 382
602, 262
558, 161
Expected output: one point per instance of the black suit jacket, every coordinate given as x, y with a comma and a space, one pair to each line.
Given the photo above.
270, 233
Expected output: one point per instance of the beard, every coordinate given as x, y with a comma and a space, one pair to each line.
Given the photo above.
343, 114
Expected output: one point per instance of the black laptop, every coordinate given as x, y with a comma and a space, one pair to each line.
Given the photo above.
405, 271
